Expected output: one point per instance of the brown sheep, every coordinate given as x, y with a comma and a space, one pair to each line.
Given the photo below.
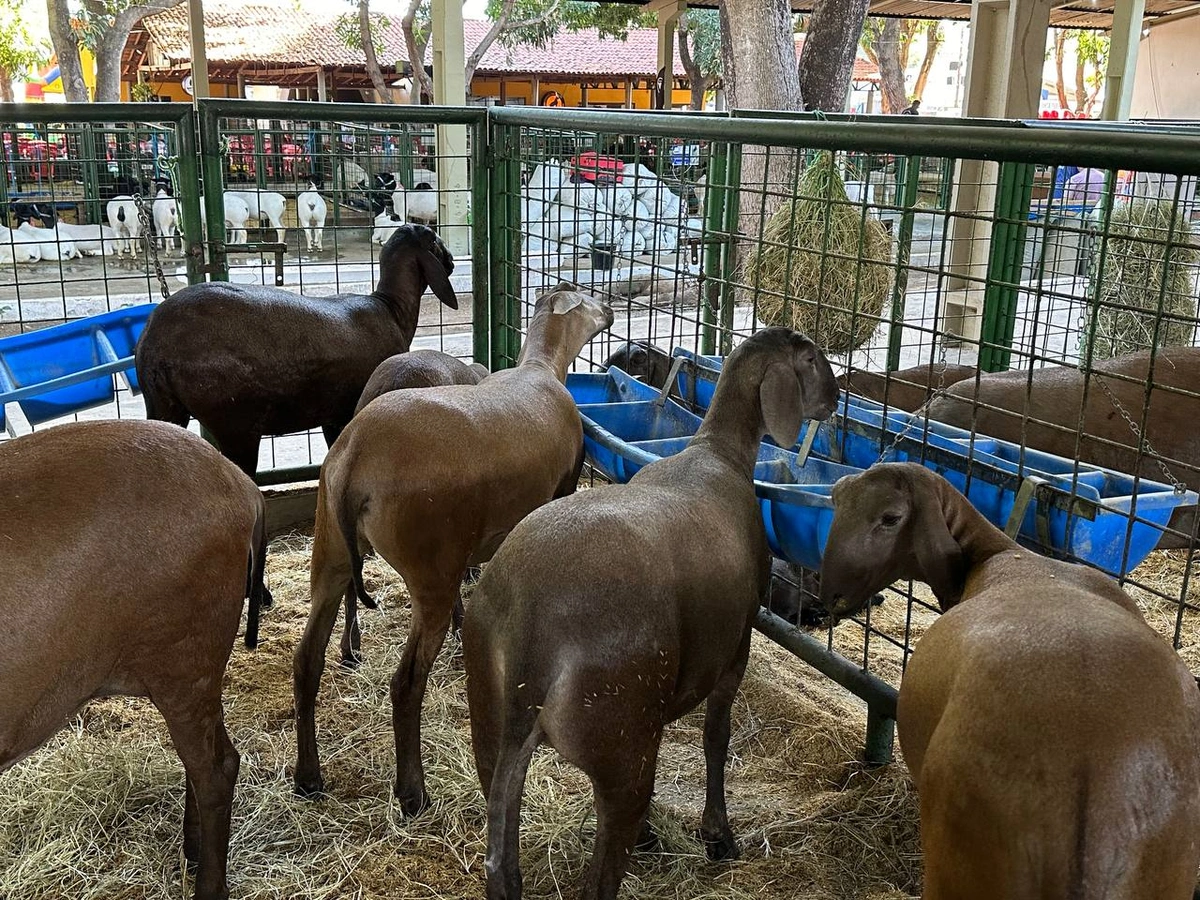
128, 549
1050, 732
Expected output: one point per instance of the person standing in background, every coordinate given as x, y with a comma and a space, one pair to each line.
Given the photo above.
912, 109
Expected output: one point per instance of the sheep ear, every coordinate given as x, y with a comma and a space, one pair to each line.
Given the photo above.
439, 281
939, 557
779, 396
565, 301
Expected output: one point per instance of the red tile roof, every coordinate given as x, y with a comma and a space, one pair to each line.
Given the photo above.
275, 32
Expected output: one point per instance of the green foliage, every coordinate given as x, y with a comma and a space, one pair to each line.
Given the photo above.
537, 21
346, 28
704, 38
20, 49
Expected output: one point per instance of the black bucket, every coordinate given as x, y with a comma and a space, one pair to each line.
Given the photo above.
602, 255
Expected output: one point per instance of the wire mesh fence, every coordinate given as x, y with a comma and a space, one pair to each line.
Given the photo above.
927, 260
1018, 299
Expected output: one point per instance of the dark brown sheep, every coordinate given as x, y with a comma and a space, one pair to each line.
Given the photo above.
248, 361
128, 549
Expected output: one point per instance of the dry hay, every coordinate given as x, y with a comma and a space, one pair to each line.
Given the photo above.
1142, 286
98, 811
823, 266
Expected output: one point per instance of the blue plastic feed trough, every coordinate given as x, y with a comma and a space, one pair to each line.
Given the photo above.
1086, 517
68, 368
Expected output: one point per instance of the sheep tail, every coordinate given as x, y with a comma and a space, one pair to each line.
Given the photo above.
348, 522
257, 574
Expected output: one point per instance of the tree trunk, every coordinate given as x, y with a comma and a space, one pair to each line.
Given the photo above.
6, 87
697, 83
1081, 90
368, 46
891, 69
1060, 53
759, 68
827, 63
108, 66
66, 48
498, 26
933, 42
422, 84
759, 52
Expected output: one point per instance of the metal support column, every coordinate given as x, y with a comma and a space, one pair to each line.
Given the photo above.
1122, 58
450, 89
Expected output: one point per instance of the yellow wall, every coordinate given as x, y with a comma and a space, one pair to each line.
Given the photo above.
521, 89
572, 93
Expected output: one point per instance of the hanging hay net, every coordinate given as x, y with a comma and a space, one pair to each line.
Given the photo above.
823, 267
1150, 258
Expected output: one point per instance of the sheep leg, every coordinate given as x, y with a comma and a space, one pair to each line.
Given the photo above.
431, 620
503, 864
330, 576
715, 832
212, 763
622, 803
191, 824
351, 633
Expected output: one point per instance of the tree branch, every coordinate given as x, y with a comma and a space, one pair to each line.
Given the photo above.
498, 28
421, 82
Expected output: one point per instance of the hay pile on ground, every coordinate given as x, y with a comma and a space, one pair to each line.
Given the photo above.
98, 812
823, 266
1148, 266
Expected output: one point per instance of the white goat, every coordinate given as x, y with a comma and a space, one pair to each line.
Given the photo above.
49, 244
415, 206
91, 240
267, 205
386, 224
166, 219
310, 212
123, 217
16, 247
237, 213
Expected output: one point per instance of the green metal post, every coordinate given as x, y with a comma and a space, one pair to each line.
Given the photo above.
89, 167
946, 184
188, 174
1014, 196
881, 736
481, 164
214, 187
733, 211
908, 179
714, 221
505, 226
260, 158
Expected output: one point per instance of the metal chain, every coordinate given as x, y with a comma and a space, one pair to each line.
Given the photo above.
1144, 444
937, 392
151, 244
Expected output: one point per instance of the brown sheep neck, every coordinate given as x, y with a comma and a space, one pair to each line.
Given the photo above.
733, 427
977, 537
543, 347
400, 289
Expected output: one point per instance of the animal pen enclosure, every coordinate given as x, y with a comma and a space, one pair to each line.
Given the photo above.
949, 244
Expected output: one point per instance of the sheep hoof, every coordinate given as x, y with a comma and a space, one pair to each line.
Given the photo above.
267, 600
412, 803
719, 846
351, 660
648, 841
309, 788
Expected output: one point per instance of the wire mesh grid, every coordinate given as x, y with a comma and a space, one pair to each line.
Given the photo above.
914, 272
71, 246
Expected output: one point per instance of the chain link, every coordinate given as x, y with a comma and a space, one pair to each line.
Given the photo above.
1143, 442
151, 244
938, 391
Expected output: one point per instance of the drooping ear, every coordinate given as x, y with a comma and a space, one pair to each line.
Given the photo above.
439, 281
566, 286
564, 302
939, 557
779, 396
